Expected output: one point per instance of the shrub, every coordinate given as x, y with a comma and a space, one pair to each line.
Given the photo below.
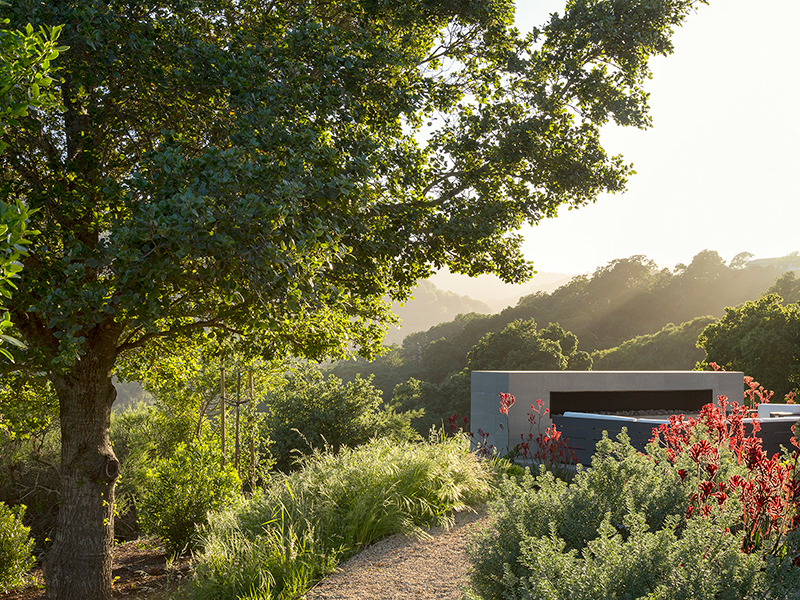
309, 411
182, 490
703, 514
133, 432
16, 546
29, 475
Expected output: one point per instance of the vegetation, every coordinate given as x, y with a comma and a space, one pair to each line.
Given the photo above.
16, 557
761, 338
296, 530
674, 348
25, 80
252, 169
703, 514
623, 317
181, 491
308, 411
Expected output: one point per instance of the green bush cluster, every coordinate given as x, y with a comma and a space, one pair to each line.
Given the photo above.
299, 528
182, 490
16, 547
618, 531
309, 411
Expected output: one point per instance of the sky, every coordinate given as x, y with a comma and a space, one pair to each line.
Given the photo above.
718, 169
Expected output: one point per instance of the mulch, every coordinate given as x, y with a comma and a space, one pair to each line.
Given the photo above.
140, 570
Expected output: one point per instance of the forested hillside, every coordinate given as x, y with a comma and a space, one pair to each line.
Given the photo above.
627, 315
429, 307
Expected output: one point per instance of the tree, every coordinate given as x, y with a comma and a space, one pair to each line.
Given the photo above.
760, 338
787, 286
251, 168
521, 347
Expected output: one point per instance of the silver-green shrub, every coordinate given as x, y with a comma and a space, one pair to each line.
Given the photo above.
618, 531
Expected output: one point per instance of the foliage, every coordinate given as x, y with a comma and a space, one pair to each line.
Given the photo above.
185, 384
673, 348
25, 57
545, 447
139, 442
607, 311
520, 347
182, 490
761, 338
703, 514
277, 543
308, 411
27, 403
16, 557
787, 286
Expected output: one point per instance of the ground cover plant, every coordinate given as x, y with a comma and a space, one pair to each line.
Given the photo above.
286, 536
703, 513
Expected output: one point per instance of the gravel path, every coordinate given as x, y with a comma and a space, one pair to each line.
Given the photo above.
400, 567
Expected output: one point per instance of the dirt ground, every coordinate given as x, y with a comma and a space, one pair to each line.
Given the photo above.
140, 570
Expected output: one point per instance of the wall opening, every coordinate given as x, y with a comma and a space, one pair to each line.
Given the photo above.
679, 401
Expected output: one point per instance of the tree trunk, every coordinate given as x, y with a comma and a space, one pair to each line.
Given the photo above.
78, 566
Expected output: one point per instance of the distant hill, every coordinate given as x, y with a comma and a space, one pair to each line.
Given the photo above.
494, 291
430, 307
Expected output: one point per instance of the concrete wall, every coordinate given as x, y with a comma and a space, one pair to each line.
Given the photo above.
529, 386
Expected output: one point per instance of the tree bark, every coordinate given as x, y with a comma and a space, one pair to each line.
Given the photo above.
78, 566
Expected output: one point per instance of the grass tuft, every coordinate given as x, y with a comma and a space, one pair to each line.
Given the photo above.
275, 545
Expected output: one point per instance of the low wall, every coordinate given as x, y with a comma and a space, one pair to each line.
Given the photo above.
583, 431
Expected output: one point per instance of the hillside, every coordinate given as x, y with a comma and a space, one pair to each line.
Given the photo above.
430, 307
627, 315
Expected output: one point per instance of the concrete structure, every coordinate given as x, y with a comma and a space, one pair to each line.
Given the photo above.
588, 391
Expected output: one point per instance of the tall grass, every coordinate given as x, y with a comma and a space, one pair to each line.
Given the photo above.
276, 544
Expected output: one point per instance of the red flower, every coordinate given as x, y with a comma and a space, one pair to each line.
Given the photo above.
506, 402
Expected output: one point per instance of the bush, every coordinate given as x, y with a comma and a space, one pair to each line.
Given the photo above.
16, 547
309, 411
703, 514
278, 542
182, 490
133, 432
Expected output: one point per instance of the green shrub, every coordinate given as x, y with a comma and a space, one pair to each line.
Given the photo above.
133, 432
278, 542
16, 547
309, 411
182, 490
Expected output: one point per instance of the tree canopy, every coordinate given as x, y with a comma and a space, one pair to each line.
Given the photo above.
25, 57
252, 167
760, 338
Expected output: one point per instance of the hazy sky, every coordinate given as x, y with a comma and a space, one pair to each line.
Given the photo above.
719, 168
